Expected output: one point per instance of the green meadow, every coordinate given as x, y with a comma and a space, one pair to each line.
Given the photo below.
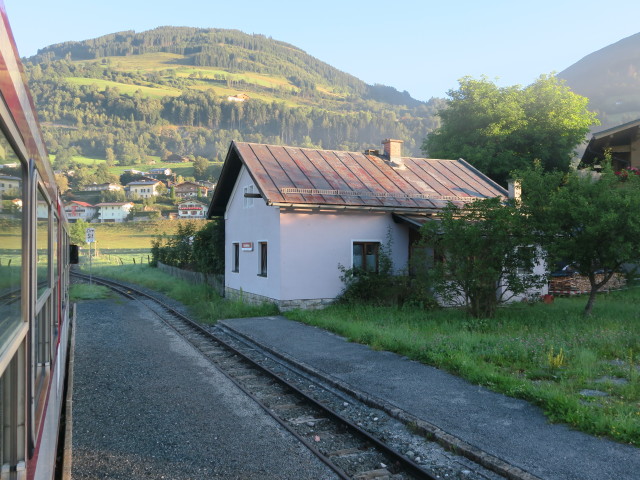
126, 88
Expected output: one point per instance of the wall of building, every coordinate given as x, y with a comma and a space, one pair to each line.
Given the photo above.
635, 153
314, 244
258, 223
305, 248
113, 213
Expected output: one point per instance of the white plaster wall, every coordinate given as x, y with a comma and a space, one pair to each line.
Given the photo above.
540, 268
314, 243
113, 212
258, 223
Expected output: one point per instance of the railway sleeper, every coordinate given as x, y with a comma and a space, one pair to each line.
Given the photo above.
378, 474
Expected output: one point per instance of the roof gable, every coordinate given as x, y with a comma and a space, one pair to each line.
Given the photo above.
287, 176
618, 136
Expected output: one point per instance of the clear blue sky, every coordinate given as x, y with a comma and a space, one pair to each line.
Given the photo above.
422, 46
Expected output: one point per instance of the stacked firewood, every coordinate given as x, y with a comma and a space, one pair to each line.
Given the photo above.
577, 284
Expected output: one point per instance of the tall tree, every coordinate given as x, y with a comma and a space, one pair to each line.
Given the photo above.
589, 220
487, 255
500, 129
200, 167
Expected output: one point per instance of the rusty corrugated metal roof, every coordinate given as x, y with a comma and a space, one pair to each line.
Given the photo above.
291, 175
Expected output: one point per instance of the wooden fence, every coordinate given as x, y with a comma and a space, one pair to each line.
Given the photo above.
213, 280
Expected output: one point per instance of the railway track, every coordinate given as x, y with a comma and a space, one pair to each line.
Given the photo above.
313, 412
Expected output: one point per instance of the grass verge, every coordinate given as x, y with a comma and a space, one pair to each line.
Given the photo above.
84, 291
203, 302
581, 371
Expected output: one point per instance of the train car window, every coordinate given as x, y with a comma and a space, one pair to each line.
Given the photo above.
55, 246
56, 289
12, 388
11, 246
43, 261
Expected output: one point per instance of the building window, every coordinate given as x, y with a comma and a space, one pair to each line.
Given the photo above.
263, 259
365, 256
236, 258
248, 200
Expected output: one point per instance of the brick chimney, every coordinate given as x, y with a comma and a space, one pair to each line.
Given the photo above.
515, 190
393, 150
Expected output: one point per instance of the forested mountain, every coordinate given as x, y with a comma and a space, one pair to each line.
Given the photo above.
128, 96
610, 78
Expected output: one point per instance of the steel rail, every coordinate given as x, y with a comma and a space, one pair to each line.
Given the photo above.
407, 464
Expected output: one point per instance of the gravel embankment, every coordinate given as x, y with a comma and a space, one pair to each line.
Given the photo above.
146, 405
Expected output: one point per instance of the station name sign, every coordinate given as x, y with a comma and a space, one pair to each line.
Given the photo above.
247, 246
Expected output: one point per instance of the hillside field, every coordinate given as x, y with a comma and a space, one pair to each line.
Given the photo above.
131, 238
183, 169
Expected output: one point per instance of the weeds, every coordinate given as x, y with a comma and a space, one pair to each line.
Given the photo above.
84, 291
555, 361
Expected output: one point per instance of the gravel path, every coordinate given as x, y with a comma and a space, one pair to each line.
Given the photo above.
147, 406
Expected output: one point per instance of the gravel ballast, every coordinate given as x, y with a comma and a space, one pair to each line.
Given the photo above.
147, 405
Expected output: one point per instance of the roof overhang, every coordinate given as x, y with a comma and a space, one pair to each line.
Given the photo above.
231, 169
620, 135
412, 220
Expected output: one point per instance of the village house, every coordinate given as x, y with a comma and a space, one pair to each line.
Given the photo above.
294, 215
113, 212
622, 142
76, 210
142, 189
101, 187
160, 171
189, 189
240, 97
175, 158
9, 183
192, 209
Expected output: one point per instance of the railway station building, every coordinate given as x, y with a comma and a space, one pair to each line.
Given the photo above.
293, 216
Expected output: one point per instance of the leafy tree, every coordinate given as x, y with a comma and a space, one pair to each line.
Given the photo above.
587, 219
128, 177
110, 156
208, 247
64, 158
161, 189
77, 232
200, 167
499, 130
62, 181
102, 174
487, 255
113, 196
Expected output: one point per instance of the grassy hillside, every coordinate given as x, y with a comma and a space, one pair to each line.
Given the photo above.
150, 94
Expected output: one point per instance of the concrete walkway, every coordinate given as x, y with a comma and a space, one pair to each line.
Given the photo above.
512, 430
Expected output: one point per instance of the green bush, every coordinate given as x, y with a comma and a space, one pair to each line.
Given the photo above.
383, 287
201, 250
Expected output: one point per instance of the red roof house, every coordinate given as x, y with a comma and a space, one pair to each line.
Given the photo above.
293, 215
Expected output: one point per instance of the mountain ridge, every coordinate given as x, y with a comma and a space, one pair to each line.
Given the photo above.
610, 78
207, 47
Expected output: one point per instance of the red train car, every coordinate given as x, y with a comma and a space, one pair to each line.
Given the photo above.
35, 313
